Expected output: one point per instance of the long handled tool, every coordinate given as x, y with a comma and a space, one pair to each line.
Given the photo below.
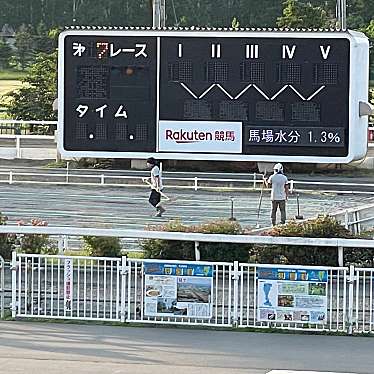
260, 202
298, 216
166, 197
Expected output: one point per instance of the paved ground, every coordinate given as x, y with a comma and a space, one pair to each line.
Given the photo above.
110, 207
30, 348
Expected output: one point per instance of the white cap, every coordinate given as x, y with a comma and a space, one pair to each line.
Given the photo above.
278, 167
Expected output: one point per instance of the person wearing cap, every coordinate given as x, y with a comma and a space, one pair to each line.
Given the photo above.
156, 186
279, 193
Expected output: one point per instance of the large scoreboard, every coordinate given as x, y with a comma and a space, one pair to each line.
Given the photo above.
213, 95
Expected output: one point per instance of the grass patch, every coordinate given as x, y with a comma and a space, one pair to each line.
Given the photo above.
56, 164
12, 75
134, 254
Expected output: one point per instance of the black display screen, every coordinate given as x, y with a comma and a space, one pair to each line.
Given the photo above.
268, 84
290, 96
110, 94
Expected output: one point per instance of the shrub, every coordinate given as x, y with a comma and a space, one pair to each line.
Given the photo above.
7, 241
321, 227
36, 243
361, 256
169, 249
102, 246
185, 250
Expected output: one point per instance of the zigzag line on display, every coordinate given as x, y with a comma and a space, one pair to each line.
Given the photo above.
196, 96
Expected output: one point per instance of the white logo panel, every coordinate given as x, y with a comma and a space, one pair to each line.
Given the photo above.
200, 136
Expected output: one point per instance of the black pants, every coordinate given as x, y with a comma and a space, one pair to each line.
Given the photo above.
154, 198
274, 207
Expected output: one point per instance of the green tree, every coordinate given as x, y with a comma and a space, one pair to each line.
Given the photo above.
5, 55
33, 101
369, 31
298, 14
42, 39
24, 47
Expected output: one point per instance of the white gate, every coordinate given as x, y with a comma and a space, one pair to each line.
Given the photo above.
75, 287
363, 307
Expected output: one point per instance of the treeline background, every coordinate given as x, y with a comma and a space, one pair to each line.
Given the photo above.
249, 13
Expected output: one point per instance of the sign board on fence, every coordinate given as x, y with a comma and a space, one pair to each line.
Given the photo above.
292, 295
213, 95
68, 284
178, 289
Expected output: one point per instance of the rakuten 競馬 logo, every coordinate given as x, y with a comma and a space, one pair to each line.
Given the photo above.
183, 136
200, 136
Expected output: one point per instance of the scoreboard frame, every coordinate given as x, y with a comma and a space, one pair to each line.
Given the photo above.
357, 92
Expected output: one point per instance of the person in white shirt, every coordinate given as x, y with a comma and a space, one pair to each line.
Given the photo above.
279, 193
156, 186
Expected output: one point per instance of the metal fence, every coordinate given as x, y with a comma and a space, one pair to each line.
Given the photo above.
2, 287
356, 219
19, 127
56, 287
336, 295
363, 308
114, 289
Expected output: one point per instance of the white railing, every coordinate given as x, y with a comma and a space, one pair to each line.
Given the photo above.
356, 219
19, 151
363, 308
253, 181
92, 291
2, 287
62, 232
68, 176
113, 289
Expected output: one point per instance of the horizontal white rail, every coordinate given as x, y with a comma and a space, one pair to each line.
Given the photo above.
194, 237
254, 181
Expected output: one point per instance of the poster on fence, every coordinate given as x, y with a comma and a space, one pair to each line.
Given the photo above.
68, 284
292, 295
178, 290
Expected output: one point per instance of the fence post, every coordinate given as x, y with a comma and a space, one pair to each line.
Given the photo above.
11, 177
235, 277
254, 181
18, 147
341, 256
2, 290
351, 279
197, 251
13, 268
346, 220
232, 218
358, 224
292, 187
67, 172
102, 179
124, 272
195, 185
